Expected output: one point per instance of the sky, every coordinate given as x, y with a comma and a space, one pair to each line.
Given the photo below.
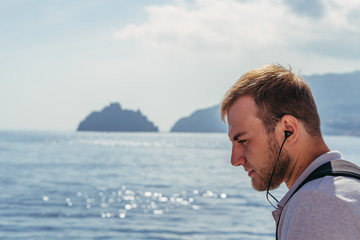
62, 59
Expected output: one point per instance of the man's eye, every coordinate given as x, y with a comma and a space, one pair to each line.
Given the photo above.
242, 141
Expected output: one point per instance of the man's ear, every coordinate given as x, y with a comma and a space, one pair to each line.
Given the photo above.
290, 124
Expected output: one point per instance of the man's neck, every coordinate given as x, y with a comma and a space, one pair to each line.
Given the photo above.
304, 158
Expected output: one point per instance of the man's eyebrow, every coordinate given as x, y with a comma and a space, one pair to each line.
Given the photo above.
237, 136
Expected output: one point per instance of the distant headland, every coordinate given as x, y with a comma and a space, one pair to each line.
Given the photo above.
114, 119
203, 120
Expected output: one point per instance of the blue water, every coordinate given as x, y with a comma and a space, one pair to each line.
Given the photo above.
67, 185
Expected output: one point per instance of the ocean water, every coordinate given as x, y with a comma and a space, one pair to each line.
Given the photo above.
68, 185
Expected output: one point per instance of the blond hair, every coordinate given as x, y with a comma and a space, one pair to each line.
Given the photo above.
276, 92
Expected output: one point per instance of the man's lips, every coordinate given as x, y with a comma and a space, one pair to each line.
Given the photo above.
250, 173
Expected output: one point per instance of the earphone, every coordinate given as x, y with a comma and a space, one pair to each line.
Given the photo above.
287, 134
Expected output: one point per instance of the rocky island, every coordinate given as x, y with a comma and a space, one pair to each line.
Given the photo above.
114, 119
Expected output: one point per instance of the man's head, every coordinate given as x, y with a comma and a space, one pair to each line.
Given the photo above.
277, 92
259, 107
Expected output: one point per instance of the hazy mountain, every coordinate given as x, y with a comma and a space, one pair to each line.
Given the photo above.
114, 119
338, 100
337, 97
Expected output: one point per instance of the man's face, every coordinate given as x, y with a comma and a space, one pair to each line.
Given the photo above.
252, 147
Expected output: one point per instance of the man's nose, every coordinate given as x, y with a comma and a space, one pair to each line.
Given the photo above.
237, 157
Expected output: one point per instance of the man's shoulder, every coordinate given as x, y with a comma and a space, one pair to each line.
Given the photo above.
327, 207
324, 208
334, 177
332, 186
326, 194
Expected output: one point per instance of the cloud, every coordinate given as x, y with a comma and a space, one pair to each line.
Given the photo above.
315, 8
248, 28
207, 24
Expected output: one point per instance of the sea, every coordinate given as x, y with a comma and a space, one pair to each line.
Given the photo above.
88, 185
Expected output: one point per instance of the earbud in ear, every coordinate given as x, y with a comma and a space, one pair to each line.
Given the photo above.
287, 134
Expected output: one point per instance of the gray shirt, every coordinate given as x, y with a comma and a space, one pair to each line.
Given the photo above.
325, 208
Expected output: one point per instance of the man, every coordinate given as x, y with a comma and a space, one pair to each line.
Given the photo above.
275, 132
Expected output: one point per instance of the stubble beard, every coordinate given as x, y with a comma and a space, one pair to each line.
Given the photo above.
280, 169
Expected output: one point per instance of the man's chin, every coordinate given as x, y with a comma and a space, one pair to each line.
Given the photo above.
260, 187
